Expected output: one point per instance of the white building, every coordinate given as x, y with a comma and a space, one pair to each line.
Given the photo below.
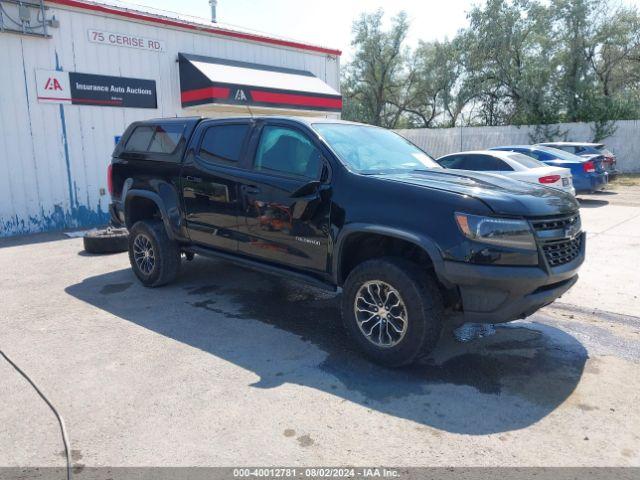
74, 74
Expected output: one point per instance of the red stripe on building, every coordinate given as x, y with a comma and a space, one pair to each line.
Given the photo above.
97, 102
200, 28
296, 99
55, 98
84, 100
206, 93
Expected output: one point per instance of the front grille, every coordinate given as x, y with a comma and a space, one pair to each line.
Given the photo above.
560, 252
559, 237
555, 223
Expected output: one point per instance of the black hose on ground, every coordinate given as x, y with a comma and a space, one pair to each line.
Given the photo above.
65, 438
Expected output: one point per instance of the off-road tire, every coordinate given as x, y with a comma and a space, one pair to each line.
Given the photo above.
106, 240
421, 297
166, 253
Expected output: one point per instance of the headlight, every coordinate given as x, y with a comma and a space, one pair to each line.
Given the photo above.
497, 231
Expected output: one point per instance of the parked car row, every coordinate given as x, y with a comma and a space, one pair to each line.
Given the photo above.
570, 166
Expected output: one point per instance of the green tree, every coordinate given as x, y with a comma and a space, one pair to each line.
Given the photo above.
576, 35
519, 62
375, 82
508, 61
435, 96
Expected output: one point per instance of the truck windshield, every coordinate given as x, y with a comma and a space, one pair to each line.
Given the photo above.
372, 150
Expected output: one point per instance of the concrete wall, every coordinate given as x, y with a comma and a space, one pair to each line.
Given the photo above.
53, 157
441, 141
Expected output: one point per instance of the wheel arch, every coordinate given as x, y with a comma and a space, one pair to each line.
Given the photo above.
357, 230
151, 198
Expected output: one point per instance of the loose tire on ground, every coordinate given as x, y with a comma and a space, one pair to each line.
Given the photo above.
108, 240
154, 257
422, 303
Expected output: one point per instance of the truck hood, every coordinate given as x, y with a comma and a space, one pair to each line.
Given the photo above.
503, 195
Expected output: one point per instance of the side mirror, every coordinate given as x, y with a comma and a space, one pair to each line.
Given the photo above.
309, 188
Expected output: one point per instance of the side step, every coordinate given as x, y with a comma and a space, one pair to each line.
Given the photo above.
263, 267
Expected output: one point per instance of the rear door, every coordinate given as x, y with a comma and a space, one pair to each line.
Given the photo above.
286, 198
210, 179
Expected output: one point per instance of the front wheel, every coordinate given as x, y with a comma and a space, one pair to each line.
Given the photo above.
155, 259
393, 309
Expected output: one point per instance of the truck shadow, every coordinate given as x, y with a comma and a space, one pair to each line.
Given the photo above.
286, 333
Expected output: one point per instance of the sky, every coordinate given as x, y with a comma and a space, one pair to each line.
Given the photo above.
328, 22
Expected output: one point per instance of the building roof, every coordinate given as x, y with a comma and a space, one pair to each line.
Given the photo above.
152, 15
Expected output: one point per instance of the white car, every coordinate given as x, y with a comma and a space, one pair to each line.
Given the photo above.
513, 165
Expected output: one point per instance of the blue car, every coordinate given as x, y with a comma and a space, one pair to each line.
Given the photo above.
588, 175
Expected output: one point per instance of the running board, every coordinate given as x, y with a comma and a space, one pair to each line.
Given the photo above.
263, 267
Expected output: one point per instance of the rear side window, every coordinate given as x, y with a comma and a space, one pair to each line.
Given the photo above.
486, 163
539, 155
223, 143
604, 151
140, 139
526, 160
455, 161
155, 139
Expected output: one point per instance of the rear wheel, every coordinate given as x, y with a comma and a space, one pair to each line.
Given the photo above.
154, 258
393, 309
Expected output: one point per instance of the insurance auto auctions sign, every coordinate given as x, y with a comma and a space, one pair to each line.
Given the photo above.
99, 90
125, 40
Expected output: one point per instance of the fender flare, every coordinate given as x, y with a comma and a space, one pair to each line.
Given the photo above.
155, 198
420, 240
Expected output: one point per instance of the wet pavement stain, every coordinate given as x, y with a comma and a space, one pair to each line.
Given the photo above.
75, 455
520, 374
204, 290
115, 288
514, 360
305, 441
208, 305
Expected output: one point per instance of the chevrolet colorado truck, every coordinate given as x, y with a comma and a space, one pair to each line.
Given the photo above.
349, 208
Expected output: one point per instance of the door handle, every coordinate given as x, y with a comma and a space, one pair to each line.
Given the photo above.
250, 189
189, 178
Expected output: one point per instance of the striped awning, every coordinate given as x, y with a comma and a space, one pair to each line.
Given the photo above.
205, 80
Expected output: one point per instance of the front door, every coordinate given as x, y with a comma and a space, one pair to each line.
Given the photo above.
286, 200
210, 184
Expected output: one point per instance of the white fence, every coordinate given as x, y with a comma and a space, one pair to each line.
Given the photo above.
625, 143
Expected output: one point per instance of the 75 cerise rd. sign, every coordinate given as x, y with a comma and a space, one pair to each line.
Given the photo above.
125, 40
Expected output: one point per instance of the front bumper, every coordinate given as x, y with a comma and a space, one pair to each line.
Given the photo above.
497, 294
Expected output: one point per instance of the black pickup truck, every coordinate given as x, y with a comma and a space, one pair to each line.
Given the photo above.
350, 207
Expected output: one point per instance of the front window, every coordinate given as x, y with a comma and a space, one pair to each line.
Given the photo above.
286, 151
372, 150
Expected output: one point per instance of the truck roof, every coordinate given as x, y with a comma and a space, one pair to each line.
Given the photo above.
299, 119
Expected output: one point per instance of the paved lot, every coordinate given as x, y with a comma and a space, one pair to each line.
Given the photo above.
230, 367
